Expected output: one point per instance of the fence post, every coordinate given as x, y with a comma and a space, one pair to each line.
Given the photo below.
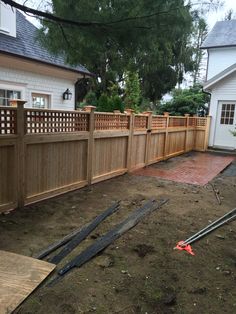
91, 110
166, 114
186, 131
207, 130
148, 136
130, 113
20, 151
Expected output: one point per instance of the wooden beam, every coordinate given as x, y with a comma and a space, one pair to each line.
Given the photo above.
79, 237
112, 235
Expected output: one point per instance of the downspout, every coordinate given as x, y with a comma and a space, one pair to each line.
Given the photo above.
208, 93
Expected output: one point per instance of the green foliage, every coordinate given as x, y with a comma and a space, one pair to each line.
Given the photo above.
109, 104
118, 104
156, 45
192, 101
132, 91
91, 99
104, 104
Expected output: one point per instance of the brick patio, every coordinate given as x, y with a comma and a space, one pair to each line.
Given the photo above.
198, 169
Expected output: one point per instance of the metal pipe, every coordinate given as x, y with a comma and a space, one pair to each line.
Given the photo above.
211, 225
201, 235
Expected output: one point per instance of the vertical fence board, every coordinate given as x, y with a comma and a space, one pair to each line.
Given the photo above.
157, 146
50, 166
138, 151
199, 141
175, 143
110, 155
190, 144
44, 153
8, 186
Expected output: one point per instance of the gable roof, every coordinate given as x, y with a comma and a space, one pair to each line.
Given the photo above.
27, 46
218, 77
223, 34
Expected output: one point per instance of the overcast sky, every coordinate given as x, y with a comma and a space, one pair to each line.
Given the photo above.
220, 13
212, 17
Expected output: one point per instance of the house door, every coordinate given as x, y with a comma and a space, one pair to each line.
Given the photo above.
225, 123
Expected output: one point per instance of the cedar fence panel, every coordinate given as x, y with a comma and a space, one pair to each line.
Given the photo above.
44, 153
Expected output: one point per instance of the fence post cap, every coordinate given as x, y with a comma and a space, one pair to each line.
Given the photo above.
129, 111
166, 114
89, 108
116, 111
187, 115
148, 113
17, 102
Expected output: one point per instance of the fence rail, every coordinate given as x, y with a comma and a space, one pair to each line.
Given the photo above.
47, 152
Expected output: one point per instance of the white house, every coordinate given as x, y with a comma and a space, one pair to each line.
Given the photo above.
221, 83
28, 71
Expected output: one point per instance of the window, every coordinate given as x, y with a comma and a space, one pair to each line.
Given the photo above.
6, 95
40, 101
227, 114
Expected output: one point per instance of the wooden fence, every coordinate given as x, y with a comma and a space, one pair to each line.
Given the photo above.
47, 152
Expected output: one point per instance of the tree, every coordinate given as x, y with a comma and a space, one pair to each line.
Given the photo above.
229, 15
130, 36
110, 37
199, 35
192, 101
132, 91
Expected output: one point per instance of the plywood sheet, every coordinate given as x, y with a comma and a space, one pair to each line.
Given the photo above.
19, 276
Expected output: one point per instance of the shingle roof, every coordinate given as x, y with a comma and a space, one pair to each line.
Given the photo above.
26, 45
223, 34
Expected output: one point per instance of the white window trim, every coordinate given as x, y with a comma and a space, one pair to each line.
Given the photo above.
15, 87
50, 94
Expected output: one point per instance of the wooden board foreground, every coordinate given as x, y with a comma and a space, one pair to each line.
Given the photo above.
19, 276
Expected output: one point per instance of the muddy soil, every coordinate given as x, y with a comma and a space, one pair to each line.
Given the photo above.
140, 272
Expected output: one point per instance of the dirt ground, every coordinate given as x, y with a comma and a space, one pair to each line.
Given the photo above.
140, 272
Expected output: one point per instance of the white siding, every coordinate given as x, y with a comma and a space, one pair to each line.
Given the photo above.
32, 82
224, 90
220, 59
7, 20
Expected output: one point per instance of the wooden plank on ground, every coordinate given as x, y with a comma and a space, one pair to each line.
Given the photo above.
77, 239
57, 244
112, 235
19, 276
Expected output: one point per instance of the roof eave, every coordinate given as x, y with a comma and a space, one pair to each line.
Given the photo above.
218, 78
223, 46
85, 74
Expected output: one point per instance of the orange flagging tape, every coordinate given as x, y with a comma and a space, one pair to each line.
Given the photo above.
184, 247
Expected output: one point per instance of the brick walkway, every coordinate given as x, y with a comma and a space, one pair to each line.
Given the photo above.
199, 168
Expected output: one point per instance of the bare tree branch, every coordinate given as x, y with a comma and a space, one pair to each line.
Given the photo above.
61, 20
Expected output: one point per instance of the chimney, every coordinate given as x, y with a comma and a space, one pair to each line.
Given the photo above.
7, 20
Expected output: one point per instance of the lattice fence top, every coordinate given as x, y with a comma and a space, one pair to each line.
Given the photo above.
104, 121
58, 121
140, 122
159, 122
52, 121
201, 122
8, 118
192, 121
177, 121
